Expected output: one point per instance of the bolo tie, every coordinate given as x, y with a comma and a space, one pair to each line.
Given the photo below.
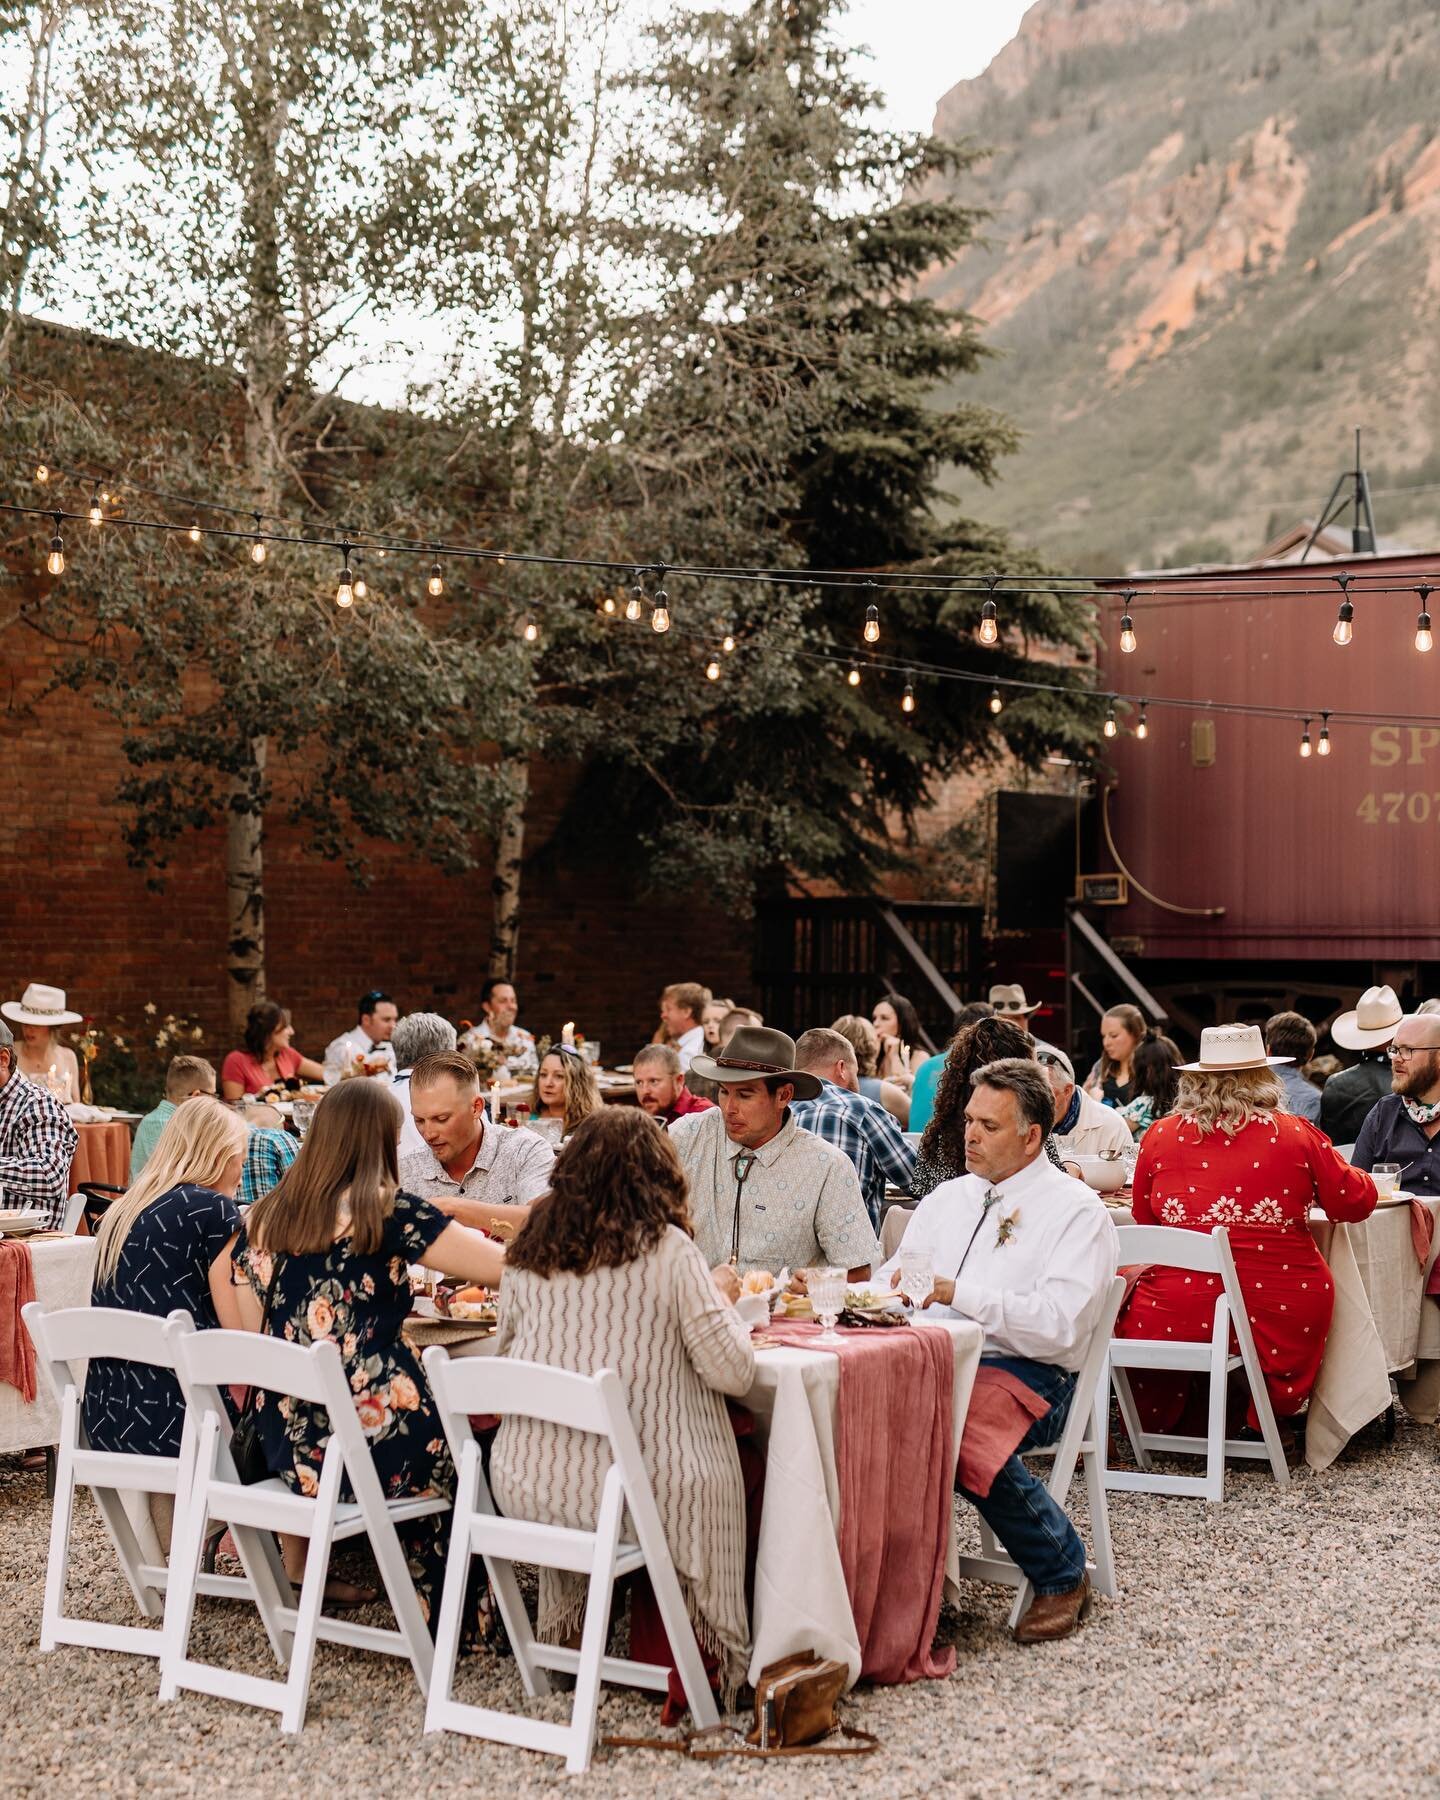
744, 1163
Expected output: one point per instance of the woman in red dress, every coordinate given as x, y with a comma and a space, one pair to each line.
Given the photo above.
1228, 1155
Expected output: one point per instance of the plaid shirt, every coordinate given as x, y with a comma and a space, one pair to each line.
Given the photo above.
268, 1155
867, 1134
37, 1147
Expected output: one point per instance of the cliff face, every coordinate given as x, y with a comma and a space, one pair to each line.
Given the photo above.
1215, 248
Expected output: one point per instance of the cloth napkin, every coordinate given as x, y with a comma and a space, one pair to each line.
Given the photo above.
1422, 1232
17, 1289
1002, 1410
895, 1454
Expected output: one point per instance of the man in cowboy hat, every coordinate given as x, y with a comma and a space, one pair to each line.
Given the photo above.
1009, 1001
1404, 1127
763, 1193
1346, 1098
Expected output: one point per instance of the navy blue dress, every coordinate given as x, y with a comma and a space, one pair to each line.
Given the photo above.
164, 1264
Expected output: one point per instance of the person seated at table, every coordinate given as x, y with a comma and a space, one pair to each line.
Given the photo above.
564, 1088
41, 1057
1404, 1127
857, 1127
1231, 1155
325, 1257
1291, 1034
269, 1059
681, 1006
897, 1025
37, 1140
481, 1174
711, 1015
1367, 1029
662, 1087
499, 1009
864, 1040
269, 1152
1154, 1083
166, 1242
1112, 1080
941, 1156
417, 1035
187, 1075
1028, 1253
605, 1274
369, 1042
928, 1073
1083, 1127
763, 1193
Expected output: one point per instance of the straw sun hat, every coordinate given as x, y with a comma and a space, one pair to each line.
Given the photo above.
40, 1005
1226, 1049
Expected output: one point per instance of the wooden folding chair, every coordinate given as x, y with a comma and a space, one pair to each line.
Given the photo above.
590, 1403
207, 1362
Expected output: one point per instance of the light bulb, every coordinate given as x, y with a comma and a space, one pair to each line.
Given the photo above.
1305, 739
660, 617
435, 586
632, 608
42, 473
712, 670
872, 625
727, 643
1111, 728
1142, 730
55, 562
345, 592
1127, 634
1343, 633
854, 676
996, 703
907, 699
106, 497
362, 587
194, 532
1424, 637
607, 606
1323, 747
499, 562
257, 549
989, 626
529, 630
95, 514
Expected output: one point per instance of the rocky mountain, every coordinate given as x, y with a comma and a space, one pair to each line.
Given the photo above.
1215, 248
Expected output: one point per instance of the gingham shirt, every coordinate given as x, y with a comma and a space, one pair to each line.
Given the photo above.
37, 1147
268, 1154
867, 1134
511, 1168
800, 1205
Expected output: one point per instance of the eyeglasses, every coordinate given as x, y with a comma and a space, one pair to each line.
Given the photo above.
1397, 1051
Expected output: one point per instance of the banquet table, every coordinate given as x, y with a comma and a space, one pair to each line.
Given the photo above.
64, 1268
102, 1155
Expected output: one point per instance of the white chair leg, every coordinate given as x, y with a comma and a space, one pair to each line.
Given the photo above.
57, 1568
1129, 1417
452, 1601
312, 1598
404, 1601
1219, 1396
597, 1628
274, 1596
1104, 1552
186, 1537
518, 1628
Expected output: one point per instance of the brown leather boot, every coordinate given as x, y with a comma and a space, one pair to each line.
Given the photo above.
1051, 1616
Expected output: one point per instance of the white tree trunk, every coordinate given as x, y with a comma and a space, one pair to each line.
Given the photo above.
505, 886
245, 891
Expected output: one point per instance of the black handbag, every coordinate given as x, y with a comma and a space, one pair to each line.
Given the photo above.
247, 1448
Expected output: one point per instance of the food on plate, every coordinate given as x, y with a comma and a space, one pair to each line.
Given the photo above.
478, 1296
797, 1306
757, 1281
862, 1300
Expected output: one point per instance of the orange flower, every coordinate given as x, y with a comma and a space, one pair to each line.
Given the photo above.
309, 1486
320, 1317
372, 1412
404, 1395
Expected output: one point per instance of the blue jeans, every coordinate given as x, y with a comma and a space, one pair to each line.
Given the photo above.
1039, 1537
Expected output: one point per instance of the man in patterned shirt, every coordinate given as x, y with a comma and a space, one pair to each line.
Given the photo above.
37, 1141
763, 1193
481, 1174
842, 1116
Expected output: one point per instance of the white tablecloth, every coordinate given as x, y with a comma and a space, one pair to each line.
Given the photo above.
801, 1600
64, 1268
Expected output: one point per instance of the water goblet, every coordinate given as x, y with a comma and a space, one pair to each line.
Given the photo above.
827, 1297
302, 1112
917, 1275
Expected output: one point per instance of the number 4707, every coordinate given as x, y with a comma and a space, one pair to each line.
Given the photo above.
1390, 809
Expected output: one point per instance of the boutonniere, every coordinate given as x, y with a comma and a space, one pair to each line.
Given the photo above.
1005, 1227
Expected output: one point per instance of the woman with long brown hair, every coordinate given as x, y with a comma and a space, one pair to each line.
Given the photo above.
604, 1274
941, 1156
565, 1089
1122, 1031
326, 1255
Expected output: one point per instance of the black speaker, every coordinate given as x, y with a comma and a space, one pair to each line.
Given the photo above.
1034, 860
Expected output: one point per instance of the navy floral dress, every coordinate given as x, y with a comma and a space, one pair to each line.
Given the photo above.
359, 1303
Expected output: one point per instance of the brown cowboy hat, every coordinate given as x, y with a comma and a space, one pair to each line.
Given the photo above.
754, 1053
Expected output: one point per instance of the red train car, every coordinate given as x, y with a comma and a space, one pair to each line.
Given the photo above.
1273, 878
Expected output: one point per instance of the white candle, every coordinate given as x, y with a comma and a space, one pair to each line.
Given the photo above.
567, 1033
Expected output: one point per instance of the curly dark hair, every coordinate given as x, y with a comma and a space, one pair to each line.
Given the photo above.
986, 1041
260, 1022
616, 1186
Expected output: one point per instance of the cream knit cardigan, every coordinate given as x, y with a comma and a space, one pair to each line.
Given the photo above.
677, 1346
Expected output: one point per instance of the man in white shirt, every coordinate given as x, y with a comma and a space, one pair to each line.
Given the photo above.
481, 1174
416, 1035
500, 1008
1028, 1253
682, 1006
1083, 1127
368, 1042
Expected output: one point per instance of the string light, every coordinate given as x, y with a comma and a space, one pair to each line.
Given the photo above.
435, 586
362, 586
660, 616
194, 532
529, 630
1127, 627
1424, 637
1343, 633
907, 699
1110, 726
42, 473
872, 624
989, 632
1305, 739
996, 703
607, 606
257, 549
1142, 729
727, 643
712, 670
55, 562
635, 604
345, 592
95, 513
106, 497
1323, 747
854, 676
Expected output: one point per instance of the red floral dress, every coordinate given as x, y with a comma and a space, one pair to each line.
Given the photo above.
1260, 1184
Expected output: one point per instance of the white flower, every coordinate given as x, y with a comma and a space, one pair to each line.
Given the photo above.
151, 1008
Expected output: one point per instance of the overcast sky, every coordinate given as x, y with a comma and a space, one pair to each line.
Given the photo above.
923, 47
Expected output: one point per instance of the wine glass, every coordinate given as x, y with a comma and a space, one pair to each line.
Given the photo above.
827, 1297
301, 1113
917, 1275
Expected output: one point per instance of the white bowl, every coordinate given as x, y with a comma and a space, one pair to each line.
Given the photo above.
1105, 1174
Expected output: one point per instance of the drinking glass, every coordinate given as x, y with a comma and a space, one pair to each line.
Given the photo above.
827, 1297
590, 1050
1386, 1177
302, 1112
917, 1275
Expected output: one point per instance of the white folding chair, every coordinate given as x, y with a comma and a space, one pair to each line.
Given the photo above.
73, 1214
1201, 1255
207, 1362
1083, 1436
65, 1341
590, 1403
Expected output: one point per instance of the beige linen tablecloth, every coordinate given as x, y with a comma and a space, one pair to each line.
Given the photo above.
64, 1268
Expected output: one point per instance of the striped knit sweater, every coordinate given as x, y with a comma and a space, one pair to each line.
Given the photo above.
676, 1345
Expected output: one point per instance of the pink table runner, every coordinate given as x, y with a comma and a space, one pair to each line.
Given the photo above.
895, 1458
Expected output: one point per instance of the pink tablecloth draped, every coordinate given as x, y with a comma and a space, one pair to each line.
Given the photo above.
895, 1457
17, 1289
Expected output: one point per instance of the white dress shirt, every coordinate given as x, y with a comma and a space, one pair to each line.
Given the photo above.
1098, 1129
1036, 1272
689, 1044
341, 1052
410, 1138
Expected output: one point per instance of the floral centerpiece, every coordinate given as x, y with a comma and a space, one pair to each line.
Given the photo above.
124, 1066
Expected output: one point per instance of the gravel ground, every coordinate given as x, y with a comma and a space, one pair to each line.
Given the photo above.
1278, 1644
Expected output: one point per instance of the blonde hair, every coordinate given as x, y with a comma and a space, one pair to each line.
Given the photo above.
1230, 1102
199, 1139
582, 1091
863, 1037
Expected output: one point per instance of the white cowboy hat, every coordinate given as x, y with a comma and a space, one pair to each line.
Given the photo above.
1010, 1000
40, 1005
1372, 1023
1225, 1049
